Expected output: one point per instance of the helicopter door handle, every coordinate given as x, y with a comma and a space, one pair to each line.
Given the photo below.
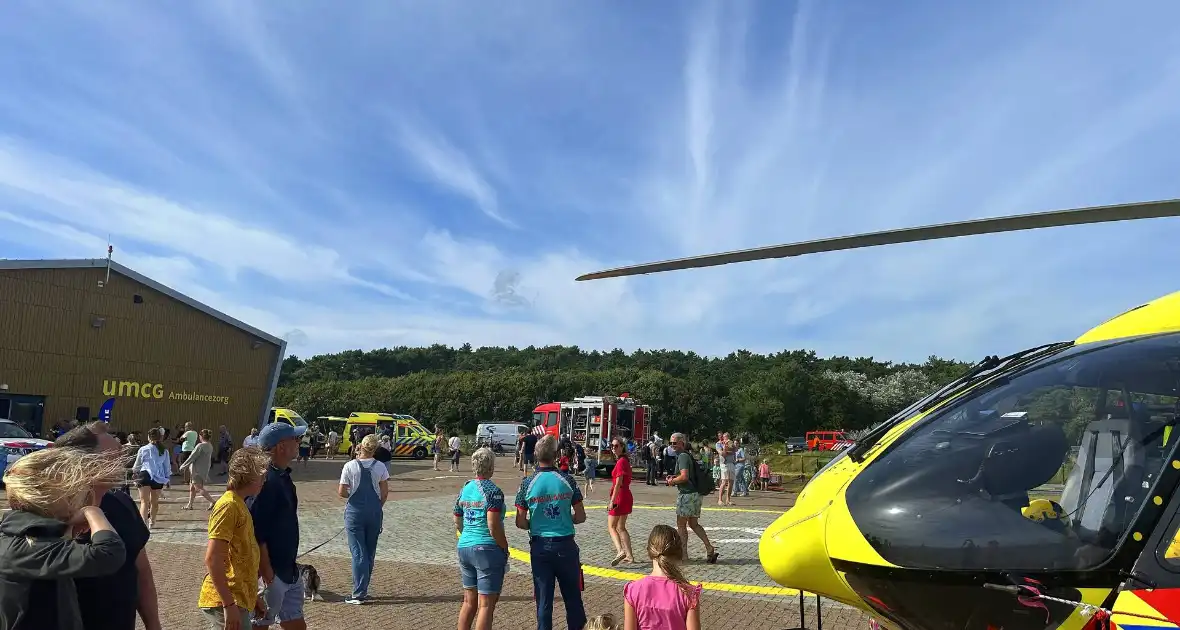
1006, 588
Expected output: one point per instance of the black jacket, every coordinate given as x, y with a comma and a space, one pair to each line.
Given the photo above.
38, 567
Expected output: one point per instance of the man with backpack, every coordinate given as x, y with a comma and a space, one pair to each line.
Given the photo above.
692, 483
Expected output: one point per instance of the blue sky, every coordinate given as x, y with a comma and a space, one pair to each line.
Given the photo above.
374, 173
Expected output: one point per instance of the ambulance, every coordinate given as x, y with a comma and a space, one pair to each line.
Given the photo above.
287, 416
409, 439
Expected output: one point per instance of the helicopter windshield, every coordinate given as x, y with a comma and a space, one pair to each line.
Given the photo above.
1044, 469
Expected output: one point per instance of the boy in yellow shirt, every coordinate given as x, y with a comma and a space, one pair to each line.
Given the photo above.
229, 592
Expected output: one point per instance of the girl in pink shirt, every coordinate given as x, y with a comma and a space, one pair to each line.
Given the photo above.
663, 600
764, 474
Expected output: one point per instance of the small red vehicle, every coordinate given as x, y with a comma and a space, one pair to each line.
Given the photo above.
827, 441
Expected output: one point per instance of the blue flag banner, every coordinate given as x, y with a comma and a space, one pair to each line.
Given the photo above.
104, 412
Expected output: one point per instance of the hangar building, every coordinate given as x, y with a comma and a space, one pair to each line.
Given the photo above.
76, 333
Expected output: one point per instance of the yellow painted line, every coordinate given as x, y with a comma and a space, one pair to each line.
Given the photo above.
704, 509
627, 576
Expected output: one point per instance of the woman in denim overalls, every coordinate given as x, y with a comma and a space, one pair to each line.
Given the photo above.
363, 513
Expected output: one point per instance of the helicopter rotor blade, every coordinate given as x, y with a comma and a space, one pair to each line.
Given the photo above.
1034, 221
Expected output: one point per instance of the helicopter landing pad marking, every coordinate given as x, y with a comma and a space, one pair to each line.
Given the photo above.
628, 576
752, 531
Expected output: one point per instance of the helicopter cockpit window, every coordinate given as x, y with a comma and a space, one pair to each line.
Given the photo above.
1042, 470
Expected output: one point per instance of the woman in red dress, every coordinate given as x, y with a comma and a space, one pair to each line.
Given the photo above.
620, 503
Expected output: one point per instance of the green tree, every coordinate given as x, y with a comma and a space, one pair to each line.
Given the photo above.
772, 396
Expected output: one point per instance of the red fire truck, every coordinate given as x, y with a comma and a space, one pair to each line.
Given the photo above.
592, 421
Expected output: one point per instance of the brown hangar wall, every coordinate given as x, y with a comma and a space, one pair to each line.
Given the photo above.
65, 338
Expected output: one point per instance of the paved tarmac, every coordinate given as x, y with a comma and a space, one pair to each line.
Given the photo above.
416, 582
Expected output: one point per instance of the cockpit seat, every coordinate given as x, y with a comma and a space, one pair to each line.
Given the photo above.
1103, 490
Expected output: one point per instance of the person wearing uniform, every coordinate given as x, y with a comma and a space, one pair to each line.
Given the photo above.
364, 482
548, 505
482, 546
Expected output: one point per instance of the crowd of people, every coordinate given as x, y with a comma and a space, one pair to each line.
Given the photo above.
73, 546
67, 531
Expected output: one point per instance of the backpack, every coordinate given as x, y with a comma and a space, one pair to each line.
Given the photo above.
701, 478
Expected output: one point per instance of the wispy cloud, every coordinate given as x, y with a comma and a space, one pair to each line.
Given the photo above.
450, 168
346, 177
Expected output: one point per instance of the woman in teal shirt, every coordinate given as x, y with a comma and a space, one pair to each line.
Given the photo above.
483, 547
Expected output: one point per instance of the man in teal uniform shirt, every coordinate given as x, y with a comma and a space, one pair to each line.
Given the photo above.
549, 504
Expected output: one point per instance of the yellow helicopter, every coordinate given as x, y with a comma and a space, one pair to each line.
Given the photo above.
1036, 492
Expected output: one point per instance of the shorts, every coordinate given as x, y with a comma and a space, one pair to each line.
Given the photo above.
764, 479
455, 456
727, 472
284, 602
304, 451
482, 568
184, 455
216, 617
591, 469
528, 459
144, 480
688, 505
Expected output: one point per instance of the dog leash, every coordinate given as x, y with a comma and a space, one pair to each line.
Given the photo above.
321, 544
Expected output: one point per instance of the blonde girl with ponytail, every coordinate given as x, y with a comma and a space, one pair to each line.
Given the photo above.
664, 600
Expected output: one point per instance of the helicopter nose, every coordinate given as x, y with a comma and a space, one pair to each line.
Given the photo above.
793, 552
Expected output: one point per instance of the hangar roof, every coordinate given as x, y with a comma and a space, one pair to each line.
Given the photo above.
101, 263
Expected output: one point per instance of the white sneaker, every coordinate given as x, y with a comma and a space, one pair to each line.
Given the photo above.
354, 601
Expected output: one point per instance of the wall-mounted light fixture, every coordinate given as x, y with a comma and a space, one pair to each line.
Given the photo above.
256, 344
97, 322
3, 387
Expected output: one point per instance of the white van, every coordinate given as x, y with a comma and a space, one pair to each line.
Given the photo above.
499, 436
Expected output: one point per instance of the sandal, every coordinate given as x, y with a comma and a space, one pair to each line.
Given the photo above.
186, 507
712, 558
617, 560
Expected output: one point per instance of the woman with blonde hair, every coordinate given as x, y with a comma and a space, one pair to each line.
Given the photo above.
364, 482
664, 600
50, 492
602, 622
153, 471
229, 592
198, 463
483, 545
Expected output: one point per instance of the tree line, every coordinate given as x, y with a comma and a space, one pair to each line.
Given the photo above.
771, 396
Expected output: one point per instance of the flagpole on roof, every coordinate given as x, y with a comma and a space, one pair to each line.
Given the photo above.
110, 252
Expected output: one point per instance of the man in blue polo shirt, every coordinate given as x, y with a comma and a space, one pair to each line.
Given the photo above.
276, 526
549, 504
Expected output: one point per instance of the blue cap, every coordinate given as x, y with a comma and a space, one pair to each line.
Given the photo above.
276, 432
